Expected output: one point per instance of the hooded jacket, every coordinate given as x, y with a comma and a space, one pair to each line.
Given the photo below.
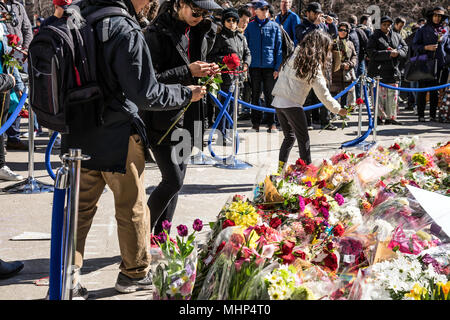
23, 29
124, 65
228, 42
379, 52
174, 45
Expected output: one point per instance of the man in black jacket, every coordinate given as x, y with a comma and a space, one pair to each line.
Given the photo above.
118, 147
385, 49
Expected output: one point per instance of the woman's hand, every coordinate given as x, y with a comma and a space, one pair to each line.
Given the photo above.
342, 112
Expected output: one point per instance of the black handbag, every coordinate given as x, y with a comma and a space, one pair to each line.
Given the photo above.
420, 67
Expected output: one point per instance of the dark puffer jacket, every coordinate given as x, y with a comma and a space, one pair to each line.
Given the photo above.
172, 52
228, 42
379, 52
125, 64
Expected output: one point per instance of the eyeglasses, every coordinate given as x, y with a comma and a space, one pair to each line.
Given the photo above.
263, 9
197, 12
230, 20
342, 30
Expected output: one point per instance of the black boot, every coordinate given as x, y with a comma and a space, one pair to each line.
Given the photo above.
9, 269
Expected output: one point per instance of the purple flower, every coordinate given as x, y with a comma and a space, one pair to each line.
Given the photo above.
301, 203
198, 225
166, 225
182, 230
324, 212
339, 199
308, 183
162, 237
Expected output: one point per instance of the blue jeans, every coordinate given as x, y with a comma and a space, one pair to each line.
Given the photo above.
360, 69
13, 131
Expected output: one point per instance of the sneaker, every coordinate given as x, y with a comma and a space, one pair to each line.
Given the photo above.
125, 284
25, 135
79, 292
7, 174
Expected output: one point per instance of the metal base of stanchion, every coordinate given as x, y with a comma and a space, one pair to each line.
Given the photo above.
365, 145
233, 163
201, 159
29, 186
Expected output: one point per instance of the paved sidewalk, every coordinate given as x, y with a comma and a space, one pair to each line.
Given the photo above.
205, 191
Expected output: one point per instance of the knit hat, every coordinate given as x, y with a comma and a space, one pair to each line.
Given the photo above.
62, 3
230, 13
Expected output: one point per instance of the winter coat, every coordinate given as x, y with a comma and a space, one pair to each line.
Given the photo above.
428, 34
172, 52
125, 68
296, 89
379, 51
343, 52
289, 23
228, 42
264, 41
307, 26
23, 29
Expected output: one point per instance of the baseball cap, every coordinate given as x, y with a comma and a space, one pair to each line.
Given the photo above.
207, 4
314, 7
385, 19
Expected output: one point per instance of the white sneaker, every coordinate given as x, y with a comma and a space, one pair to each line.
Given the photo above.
7, 174
25, 135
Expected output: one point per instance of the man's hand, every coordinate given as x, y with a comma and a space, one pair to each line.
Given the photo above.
202, 69
342, 112
394, 53
431, 47
275, 74
198, 92
329, 20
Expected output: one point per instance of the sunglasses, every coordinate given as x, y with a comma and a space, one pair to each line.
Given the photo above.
343, 30
230, 20
263, 9
197, 12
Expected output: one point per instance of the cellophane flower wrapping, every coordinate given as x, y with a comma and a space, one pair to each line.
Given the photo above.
174, 279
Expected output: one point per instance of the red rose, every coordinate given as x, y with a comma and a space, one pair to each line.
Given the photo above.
275, 222
287, 247
232, 61
331, 262
322, 184
300, 163
395, 146
220, 247
13, 40
288, 258
338, 230
361, 155
228, 223
359, 101
261, 230
300, 254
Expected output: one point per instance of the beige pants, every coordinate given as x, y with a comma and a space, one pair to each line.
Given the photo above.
387, 108
132, 212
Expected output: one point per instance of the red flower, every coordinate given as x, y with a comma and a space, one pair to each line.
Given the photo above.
220, 247
338, 230
359, 101
13, 40
275, 222
232, 61
331, 262
395, 146
261, 230
288, 258
228, 223
300, 163
287, 247
361, 155
322, 184
300, 254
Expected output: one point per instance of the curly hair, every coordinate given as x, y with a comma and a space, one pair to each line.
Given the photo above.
313, 54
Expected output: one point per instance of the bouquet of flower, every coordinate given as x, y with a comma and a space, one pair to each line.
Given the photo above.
174, 279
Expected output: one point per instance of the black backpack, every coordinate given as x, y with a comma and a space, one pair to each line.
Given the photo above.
64, 91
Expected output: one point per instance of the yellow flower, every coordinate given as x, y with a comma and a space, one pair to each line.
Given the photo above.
308, 213
311, 179
319, 193
416, 292
445, 288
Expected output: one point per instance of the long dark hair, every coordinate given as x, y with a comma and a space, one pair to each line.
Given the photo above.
312, 54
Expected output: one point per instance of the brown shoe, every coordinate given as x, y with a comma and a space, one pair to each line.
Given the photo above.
12, 145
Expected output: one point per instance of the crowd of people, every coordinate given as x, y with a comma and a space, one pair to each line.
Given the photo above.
153, 60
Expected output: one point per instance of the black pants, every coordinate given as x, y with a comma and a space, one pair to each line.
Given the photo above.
163, 200
262, 77
317, 115
422, 98
2, 151
294, 125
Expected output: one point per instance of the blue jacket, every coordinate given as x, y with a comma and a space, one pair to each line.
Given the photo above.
429, 35
306, 27
289, 24
264, 41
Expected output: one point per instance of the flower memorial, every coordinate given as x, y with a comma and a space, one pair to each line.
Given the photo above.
342, 228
